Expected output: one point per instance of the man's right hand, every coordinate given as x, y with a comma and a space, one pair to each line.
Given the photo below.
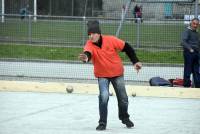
83, 57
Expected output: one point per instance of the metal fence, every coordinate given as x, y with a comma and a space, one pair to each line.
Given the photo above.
72, 31
156, 40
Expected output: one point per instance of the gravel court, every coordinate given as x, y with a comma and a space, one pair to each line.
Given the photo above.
60, 113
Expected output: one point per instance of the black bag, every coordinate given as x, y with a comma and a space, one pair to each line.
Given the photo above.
157, 81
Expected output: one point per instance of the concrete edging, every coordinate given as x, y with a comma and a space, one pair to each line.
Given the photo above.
86, 88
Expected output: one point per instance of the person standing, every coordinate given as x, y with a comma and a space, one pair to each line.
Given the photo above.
24, 12
191, 51
103, 50
137, 12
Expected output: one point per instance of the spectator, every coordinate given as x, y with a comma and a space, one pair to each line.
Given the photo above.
23, 12
191, 51
137, 13
108, 68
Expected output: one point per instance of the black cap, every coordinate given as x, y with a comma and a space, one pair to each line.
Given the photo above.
93, 27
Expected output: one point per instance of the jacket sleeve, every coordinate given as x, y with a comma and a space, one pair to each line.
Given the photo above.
88, 55
130, 52
184, 40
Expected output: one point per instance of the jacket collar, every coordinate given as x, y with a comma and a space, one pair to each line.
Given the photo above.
99, 43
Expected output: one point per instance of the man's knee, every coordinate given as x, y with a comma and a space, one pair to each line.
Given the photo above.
104, 97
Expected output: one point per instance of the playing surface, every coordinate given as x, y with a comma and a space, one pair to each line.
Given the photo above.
60, 113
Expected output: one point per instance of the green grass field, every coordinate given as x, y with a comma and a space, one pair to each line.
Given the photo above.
74, 33
67, 53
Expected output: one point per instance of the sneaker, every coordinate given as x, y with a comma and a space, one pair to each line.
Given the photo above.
128, 123
101, 127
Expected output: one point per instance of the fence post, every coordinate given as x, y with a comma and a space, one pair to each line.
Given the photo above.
84, 29
196, 8
138, 32
35, 10
29, 29
2, 11
123, 17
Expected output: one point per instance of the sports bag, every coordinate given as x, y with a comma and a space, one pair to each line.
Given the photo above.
157, 81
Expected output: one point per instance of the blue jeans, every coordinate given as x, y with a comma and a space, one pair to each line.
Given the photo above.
122, 98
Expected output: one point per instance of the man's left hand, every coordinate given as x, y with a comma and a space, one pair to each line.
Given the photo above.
138, 66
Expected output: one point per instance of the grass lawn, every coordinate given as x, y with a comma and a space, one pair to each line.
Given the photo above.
69, 53
76, 32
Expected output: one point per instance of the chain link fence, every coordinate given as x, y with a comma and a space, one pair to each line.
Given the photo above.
49, 38
72, 31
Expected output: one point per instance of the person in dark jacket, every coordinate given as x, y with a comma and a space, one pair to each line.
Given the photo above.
24, 12
103, 51
137, 11
191, 51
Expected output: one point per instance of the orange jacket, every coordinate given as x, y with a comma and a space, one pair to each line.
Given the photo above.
106, 60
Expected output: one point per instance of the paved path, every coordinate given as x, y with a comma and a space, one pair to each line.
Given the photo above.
81, 71
53, 113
